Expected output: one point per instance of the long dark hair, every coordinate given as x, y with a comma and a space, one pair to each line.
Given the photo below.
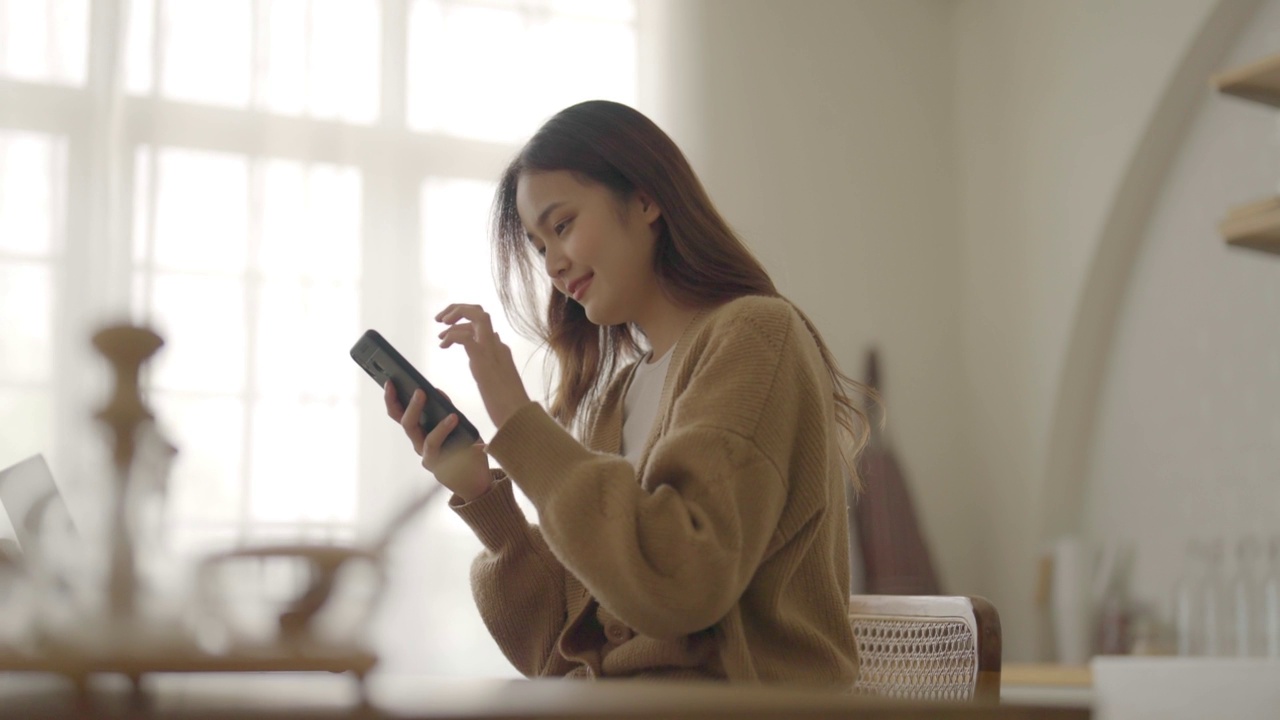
699, 260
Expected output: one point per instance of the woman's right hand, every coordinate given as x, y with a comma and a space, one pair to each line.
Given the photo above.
465, 471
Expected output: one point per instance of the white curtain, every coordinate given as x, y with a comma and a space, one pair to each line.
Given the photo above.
260, 181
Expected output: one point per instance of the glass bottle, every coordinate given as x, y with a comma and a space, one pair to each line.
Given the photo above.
1218, 620
1247, 590
1115, 607
1189, 601
1271, 598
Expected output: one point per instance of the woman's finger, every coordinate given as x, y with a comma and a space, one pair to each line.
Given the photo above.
394, 409
409, 420
454, 311
435, 440
473, 313
463, 334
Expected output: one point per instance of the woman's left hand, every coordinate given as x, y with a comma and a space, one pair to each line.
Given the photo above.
491, 364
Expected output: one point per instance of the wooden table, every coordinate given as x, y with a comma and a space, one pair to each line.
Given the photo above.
1046, 675
1047, 684
328, 696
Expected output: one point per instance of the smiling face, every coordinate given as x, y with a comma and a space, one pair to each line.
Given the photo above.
597, 248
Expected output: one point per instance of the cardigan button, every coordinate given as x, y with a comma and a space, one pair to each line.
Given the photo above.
618, 633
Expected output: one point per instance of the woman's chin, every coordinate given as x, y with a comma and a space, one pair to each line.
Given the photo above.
599, 318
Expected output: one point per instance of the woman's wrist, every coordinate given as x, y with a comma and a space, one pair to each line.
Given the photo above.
477, 489
509, 411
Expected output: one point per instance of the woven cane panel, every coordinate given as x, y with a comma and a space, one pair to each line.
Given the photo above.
920, 658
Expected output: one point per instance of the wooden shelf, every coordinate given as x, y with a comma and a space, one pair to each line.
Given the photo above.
1258, 81
1255, 226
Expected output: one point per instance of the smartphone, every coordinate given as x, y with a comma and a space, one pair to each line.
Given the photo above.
373, 353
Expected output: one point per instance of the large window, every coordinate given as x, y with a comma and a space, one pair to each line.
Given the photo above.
260, 180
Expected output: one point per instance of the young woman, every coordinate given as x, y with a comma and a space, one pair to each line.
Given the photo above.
698, 527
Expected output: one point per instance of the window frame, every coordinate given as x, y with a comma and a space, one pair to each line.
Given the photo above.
103, 133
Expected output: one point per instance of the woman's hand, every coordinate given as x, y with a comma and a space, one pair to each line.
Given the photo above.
491, 365
465, 471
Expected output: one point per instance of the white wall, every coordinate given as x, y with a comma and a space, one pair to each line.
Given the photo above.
1187, 442
1058, 104
963, 182
1054, 100
824, 132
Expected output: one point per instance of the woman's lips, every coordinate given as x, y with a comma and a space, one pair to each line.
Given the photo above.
579, 287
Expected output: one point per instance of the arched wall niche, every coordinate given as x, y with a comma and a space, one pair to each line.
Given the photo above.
1093, 335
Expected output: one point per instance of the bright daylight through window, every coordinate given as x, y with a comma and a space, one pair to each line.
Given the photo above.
260, 181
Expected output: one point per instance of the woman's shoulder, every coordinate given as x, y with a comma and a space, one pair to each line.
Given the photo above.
769, 318
769, 329
754, 305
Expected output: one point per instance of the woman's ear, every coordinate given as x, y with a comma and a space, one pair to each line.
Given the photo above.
649, 209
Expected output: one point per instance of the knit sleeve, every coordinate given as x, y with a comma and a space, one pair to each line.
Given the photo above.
518, 584
671, 553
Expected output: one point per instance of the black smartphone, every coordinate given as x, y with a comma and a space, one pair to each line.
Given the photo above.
373, 353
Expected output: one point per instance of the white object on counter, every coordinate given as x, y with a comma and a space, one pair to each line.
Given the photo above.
1177, 688
1069, 601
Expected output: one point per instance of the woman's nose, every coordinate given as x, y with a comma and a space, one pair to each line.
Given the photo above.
556, 263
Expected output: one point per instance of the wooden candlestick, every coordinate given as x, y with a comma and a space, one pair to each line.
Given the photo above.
126, 348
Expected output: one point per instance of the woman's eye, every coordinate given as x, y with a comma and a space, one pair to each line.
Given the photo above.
560, 227
542, 251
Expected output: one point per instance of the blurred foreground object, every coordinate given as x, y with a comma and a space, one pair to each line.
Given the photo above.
125, 416
345, 580
96, 608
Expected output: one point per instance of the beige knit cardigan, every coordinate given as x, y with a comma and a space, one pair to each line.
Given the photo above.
724, 554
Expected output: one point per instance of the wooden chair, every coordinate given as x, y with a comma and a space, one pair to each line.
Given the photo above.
927, 647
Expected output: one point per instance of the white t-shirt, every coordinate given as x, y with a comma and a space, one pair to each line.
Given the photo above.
640, 406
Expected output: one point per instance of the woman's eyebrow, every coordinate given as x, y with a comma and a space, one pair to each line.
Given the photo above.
542, 216
542, 219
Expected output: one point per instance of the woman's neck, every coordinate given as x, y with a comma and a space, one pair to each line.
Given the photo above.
664, 326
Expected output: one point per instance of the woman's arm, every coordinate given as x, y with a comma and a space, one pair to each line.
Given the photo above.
672, 553
519, 586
